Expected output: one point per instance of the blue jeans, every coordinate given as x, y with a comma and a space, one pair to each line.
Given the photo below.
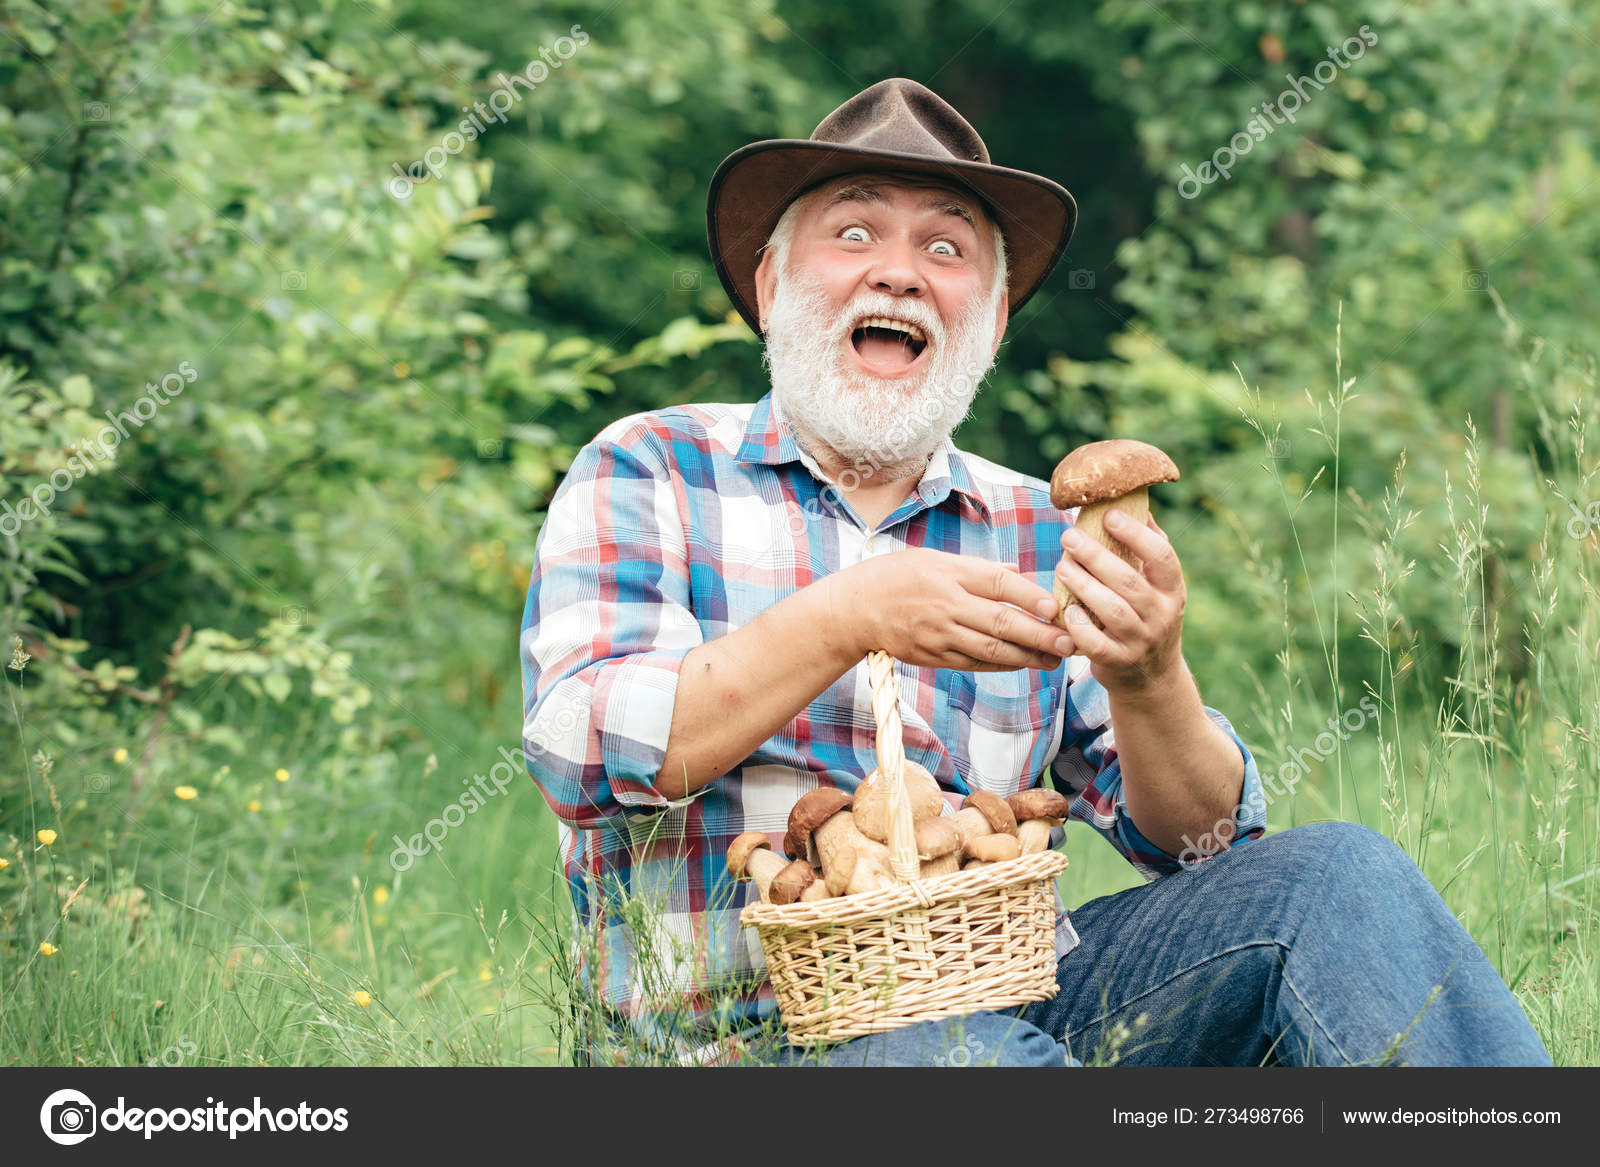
1320, 945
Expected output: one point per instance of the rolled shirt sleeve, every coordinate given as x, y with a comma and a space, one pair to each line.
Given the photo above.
604, 632
1088, 770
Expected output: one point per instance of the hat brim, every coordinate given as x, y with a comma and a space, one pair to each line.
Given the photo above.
755, 184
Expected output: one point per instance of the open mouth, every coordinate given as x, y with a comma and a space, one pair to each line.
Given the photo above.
887, 346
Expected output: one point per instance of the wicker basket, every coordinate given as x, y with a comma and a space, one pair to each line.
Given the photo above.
924, 950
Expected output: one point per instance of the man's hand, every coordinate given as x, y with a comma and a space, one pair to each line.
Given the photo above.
933, 609
1141, 612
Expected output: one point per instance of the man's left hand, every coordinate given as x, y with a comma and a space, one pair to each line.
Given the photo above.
1137, 648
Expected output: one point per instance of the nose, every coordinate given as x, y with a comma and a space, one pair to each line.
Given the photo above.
895, 270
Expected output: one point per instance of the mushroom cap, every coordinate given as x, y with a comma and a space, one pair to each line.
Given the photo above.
1105, 470
1039, 803
995, 810
740, 850
994, 848
936, 839
872, 809
814, 808
787, 885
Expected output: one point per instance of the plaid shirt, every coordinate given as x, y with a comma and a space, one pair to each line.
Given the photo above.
677, 526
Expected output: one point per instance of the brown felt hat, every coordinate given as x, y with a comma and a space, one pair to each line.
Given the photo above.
896, 125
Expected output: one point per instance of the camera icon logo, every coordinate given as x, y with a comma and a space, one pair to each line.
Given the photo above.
97, 784
68, 1117
96, 113
1080, 280
293, 281
490, 447
1475, 280
1278, 448
294, 617
685, 281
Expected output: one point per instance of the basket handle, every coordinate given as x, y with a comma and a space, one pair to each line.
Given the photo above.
891, 765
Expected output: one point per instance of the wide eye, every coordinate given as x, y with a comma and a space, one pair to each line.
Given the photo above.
860, 231
950, 248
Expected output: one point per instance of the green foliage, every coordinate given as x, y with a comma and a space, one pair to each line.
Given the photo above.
344, 409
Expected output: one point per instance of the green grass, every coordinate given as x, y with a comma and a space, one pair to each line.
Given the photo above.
211, 933
219, 936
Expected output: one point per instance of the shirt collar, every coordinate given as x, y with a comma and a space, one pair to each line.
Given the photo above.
769, 440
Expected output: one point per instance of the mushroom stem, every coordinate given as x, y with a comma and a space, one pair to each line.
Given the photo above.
938, 848
993, 848
871, 870
751, 857
1034, 835
970, 824
1091, 521
844, 866
1037, 810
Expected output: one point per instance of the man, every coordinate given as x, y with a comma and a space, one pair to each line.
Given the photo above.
710, 578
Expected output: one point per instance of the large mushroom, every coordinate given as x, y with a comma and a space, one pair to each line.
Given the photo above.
871, 808
988, 849
751, 856
1037, 810
1101, 477
790, 884
983, 814
821, 829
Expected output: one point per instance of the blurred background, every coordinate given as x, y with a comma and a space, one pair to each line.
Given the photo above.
305, 307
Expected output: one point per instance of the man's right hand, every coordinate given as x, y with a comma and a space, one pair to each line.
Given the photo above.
933, 609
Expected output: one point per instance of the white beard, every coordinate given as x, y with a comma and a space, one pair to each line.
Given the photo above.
885, 428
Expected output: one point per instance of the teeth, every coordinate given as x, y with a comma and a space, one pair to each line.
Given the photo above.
896, 325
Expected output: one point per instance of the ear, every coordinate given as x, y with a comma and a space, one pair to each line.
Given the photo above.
766, 286
1002, 314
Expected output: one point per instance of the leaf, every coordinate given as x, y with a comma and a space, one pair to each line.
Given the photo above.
295, 76
277, 685
77, 390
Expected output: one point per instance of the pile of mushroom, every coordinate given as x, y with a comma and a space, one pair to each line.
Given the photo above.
838, 842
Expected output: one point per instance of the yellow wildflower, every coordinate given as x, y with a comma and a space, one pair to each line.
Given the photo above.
253, 806
120, 756
185, 792
380, 895
47, 836
48, 949
4, 863
281, 774
362, 998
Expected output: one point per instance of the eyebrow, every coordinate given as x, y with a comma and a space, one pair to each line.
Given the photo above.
864, 193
